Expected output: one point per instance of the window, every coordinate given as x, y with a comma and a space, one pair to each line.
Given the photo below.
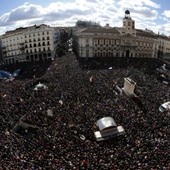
133, 25
101, 41
117, 42
107, 42
94, 42
49, 54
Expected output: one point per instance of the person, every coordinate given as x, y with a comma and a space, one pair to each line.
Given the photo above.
56, 143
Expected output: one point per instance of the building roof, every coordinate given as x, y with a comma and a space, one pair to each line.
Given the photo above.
18, 30
106, 122
163, 37
143, 33
101, 30
127, 35
21, 29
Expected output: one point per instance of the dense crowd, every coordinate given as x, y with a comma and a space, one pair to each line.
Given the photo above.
79, 93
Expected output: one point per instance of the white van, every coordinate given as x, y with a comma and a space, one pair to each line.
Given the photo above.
165, 107
118, 131
107, 129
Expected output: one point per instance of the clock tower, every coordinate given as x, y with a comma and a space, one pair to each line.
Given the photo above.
128, 24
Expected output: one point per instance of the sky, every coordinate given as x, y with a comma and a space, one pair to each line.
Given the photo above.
148, 14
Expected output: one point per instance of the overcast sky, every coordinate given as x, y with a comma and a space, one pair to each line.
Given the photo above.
150, 14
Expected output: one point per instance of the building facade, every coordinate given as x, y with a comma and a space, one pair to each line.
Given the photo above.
164, 47
1, 50
123, 41
30, 44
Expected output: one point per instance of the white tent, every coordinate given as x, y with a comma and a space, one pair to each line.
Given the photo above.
40, 86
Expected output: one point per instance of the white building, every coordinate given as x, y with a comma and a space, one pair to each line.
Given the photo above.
164, 47
125, 41
30, 44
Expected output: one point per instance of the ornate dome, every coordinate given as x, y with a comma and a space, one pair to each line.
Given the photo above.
127, 12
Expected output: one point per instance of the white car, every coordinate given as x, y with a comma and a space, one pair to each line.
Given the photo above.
108, 129
165, 107
116, 132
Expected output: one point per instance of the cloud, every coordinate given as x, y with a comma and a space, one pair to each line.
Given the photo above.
104, 11
151, 4
165, 28
93, 1
137, 3
144, 13
166, 13
25, 12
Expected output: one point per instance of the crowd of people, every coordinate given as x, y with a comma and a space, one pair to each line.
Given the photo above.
80, 91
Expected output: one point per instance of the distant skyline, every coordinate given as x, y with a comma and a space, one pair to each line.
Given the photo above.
153, 15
